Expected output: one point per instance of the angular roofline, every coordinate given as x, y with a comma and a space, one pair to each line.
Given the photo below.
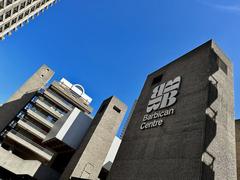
213, 45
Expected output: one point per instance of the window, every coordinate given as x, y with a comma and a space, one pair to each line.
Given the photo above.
14, 21
157, 80
1, 4
20, 17
9, 2
15, 10
7, 26
1, 18
22, 5
29, 2
1, 29
50, 119
38, 5
28, 106
117, 109
43, 2
33, 8
8, 14
27, 12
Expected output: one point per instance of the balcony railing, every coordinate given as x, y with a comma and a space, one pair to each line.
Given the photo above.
58, 100
50, 108
34, 126
67, 93
31, 145
37, 115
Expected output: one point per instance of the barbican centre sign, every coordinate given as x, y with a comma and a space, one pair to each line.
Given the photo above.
163, 96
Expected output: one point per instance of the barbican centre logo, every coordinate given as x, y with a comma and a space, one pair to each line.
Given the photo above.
163, 96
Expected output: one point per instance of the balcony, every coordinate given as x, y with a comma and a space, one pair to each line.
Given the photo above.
19, 139
58, 100
69, 95
31, 128
39, 117
46, 106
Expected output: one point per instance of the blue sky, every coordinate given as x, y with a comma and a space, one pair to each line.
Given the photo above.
110, 46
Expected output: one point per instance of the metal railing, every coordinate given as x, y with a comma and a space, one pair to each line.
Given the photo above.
60, 98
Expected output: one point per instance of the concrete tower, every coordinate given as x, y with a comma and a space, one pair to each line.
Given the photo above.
14, 13
183, 124
87, 162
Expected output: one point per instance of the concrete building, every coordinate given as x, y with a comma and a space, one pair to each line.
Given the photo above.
238, 146
87, 162
44, 126
15, 13
106, 167
39, 125
183, 123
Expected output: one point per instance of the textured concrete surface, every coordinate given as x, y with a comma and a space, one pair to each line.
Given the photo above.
24, 94
198, 141
237, 123
17, 165
87, 162
10, 109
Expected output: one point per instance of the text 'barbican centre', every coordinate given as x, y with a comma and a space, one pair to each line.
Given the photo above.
181, 127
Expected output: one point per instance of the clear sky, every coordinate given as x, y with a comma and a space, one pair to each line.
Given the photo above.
110, 46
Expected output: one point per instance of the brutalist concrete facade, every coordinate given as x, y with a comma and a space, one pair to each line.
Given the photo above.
88, 160
14, 14
42, 126
24, 94
187, 133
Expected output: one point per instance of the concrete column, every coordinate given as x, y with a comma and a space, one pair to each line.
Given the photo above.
87, 162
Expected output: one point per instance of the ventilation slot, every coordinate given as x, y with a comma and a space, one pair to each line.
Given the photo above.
116, 109
157, 80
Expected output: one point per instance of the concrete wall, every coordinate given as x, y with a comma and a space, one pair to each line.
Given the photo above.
23, 95
220, 145
197, 141
112, 153
78, 130
87, 162
10, 109
17, 165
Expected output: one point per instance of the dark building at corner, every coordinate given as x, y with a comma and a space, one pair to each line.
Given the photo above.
183, 123
238, 146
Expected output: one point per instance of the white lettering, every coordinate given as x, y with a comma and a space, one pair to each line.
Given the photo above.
164, 95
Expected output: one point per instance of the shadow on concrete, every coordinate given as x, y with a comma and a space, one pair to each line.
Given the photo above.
7, 175
210, 124
9, 110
